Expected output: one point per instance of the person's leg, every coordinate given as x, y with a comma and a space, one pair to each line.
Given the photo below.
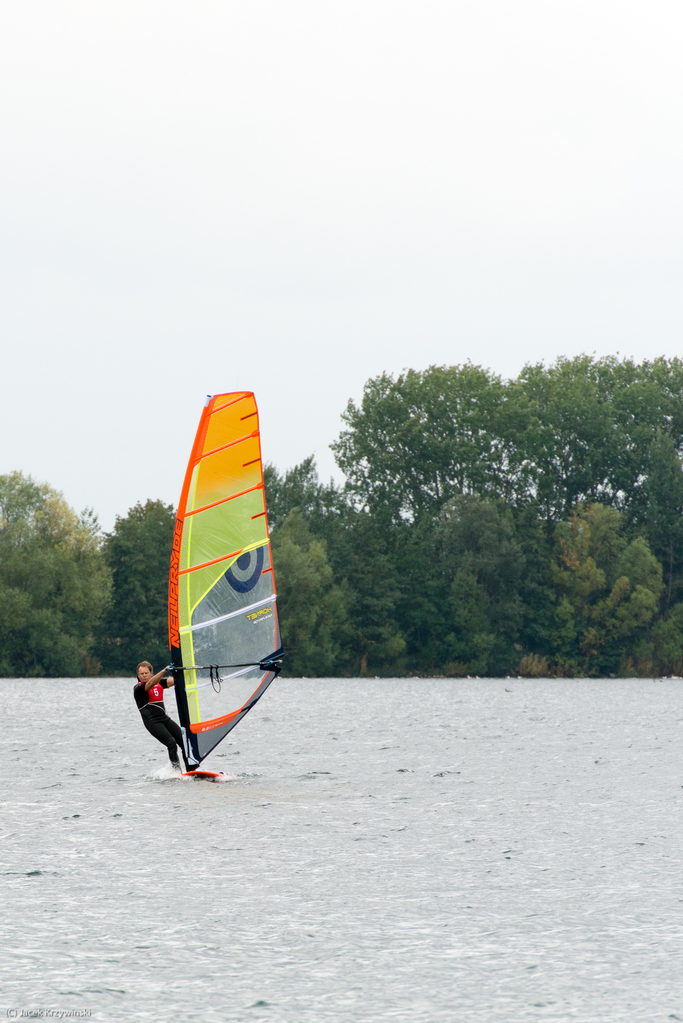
177, 736
174, 729
161, 730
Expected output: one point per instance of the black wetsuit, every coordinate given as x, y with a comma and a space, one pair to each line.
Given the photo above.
157, 722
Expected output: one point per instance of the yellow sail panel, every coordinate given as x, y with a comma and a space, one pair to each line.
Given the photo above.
227, 472
223, 530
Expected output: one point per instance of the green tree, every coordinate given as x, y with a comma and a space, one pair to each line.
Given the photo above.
661, 512
54, 582
608, 592
537, 590
568, 449
365, 552
480, 554
647, 400
416, 441
312, 609
666, 648
359, 551
300, 488
577, 431
583, 428
456, 478
418, 588
138, 553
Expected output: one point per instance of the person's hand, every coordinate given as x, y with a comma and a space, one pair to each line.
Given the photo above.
170, 682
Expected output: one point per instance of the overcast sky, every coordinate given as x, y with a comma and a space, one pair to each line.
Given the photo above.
291, 196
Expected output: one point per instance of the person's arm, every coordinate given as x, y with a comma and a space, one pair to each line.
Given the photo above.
155, 678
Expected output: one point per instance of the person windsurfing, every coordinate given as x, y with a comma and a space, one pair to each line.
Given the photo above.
149, 697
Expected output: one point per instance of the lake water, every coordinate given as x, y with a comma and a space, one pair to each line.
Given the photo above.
389, 850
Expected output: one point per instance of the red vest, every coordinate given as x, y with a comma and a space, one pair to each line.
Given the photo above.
156, 694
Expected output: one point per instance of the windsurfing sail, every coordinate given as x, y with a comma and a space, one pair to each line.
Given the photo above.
222, 610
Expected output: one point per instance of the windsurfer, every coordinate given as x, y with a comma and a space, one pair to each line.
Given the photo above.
149, 697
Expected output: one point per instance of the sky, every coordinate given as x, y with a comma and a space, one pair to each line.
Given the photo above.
292, 198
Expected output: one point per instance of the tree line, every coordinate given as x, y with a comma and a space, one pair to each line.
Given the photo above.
485, 527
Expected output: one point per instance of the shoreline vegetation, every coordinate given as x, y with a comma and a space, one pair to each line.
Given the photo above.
486, 527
